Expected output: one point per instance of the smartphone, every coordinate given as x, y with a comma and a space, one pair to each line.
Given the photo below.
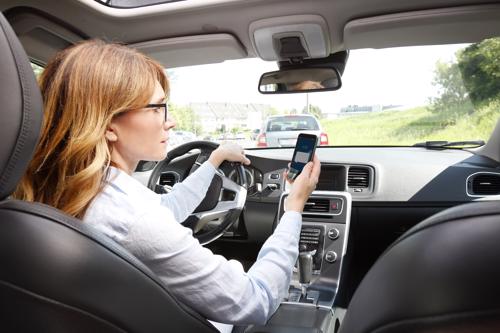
303, 153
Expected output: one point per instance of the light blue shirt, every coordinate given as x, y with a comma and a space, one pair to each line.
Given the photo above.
145, 223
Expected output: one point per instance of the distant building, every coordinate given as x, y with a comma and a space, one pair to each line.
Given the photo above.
363, 109
214, 116
357, 109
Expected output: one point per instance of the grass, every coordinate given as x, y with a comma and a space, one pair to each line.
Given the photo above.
411, 126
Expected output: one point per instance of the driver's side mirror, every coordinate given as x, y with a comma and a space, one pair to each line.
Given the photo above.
300, 80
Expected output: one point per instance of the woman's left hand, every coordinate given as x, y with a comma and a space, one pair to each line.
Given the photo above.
231, 152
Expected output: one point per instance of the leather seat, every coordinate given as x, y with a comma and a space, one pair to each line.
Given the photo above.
56, 274
442, 276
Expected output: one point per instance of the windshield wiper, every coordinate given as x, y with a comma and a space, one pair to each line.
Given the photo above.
450, 144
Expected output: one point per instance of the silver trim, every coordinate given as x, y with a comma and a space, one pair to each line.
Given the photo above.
345, 238
309, 305
479, 195
250, 178
371, 184
223, 207
324, 214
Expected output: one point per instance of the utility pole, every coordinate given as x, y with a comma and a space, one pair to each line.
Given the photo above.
308, 108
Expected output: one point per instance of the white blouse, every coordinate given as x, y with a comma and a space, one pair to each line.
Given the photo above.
145, 223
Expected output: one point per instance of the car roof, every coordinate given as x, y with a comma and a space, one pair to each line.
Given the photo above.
291, 116
206, 31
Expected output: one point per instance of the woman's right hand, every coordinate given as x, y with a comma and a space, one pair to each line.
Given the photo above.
303, 186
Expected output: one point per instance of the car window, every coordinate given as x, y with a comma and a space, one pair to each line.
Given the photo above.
292, 123
37, 69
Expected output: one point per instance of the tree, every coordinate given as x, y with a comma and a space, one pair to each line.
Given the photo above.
314, 110
269, 111
479, 66
453, 94
474, 77
185, 118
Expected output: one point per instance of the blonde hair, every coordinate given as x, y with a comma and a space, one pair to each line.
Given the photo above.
83, 88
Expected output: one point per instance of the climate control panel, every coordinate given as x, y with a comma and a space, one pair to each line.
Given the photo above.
325, 229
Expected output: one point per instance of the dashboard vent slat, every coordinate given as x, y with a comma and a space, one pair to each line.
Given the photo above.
168, 178
315, 205
486, 184
358, 177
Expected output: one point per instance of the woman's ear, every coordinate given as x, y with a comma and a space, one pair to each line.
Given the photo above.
111, 134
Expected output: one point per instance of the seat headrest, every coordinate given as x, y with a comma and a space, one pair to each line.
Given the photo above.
20, 110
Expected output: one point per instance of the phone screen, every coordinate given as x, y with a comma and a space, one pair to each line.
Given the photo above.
304, 151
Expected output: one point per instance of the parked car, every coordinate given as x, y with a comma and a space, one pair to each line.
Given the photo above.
282, 131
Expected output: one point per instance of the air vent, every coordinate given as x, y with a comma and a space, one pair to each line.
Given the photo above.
486, 184
168, 179
358, 177
315, 205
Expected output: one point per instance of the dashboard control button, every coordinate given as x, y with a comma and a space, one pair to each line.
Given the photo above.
331, 256
336, 205
333, 234
275, 176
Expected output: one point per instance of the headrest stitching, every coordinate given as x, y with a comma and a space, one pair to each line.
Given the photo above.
26, 107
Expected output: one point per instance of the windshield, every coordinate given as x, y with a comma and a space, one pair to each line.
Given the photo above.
397, 96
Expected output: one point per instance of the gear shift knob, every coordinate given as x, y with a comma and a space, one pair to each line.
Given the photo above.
305, 267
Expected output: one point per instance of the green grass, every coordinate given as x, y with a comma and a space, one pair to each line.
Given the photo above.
411, 126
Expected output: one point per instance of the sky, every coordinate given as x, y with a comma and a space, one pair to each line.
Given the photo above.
398, 76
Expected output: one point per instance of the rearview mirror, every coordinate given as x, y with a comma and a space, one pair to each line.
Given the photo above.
300, 80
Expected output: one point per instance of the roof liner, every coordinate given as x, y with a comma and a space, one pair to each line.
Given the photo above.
353, 24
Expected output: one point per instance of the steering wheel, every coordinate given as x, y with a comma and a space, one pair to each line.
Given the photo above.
224, 201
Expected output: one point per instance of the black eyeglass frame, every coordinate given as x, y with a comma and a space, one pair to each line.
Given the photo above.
159, 105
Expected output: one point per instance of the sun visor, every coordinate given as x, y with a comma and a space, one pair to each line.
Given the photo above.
193, 50
424, 27
41, 37
288, 37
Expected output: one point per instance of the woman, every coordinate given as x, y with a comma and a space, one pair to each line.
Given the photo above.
104, 112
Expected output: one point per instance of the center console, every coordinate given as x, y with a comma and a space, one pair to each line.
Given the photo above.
315, 280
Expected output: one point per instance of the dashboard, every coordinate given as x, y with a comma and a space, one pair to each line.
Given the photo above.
391, 189
396, 174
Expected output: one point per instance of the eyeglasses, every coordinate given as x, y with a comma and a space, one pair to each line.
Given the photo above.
160, 106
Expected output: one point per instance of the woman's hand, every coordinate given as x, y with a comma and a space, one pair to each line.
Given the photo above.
231, 152
303, 185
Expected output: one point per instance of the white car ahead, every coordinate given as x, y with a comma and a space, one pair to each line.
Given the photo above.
282, 131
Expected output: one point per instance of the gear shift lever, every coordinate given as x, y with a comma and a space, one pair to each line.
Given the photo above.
305, 267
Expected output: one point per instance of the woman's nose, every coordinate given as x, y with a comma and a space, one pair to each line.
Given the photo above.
170, 123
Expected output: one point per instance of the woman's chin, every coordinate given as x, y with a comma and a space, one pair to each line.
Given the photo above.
162, 156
